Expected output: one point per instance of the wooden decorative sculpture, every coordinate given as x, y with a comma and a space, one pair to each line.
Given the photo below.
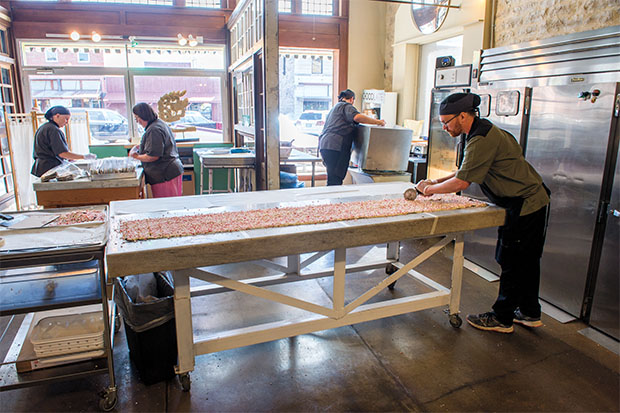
171, 106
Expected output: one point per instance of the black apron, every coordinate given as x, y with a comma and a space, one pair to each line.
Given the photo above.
509, 246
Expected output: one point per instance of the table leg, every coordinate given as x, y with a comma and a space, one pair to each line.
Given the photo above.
183, 321
340, 264
202, 173
210, 181
243, 179
293, 264
313, 171
457, 274
393, 251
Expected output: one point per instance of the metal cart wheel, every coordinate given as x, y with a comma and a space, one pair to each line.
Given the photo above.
108, 400
455, 320
186, 382
389, 270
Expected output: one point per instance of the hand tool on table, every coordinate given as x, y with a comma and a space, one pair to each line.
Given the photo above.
412, 193
25, 220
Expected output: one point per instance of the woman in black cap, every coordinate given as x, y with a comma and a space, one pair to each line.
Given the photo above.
336, 140
50, 144
494, 160
158, 153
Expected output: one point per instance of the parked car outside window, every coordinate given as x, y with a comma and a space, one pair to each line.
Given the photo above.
312, 121
194, 118
105, 124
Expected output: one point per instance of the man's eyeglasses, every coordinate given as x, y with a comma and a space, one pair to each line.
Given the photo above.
450, 120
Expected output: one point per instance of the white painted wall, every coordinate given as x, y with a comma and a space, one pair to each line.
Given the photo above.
367, 33
466, 21
366, 46
471, 11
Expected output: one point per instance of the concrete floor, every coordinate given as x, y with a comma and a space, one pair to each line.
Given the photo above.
412, 362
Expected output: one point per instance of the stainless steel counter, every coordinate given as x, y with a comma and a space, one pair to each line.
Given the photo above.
87, 183
379, 148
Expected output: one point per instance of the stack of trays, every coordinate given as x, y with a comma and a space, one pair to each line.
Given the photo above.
68, 334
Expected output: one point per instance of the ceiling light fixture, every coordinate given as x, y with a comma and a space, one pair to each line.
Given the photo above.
75, 36
96, 37
182, 40
192, 42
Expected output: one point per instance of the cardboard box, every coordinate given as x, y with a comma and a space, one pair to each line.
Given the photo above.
189, 183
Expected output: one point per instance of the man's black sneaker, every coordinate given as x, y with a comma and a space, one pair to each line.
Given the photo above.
525, 320
488, 321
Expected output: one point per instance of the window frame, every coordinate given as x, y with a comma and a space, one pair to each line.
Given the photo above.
129, 75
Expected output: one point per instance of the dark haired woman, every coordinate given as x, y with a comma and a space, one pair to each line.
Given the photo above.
50, 144
336, 139
158, 153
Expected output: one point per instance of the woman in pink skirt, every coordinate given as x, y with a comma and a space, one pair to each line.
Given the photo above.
158, 153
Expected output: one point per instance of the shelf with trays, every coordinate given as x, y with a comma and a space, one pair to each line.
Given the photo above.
65, 270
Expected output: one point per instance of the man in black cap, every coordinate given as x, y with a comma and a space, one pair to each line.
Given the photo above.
494, 160
50, 144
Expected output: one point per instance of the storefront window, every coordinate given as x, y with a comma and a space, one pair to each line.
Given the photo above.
285, 6
151, 2
210, 58
306, 96
320, 7
74, 55
203, 118
6, 106
94, 80
211, 4
102, 97
306, 90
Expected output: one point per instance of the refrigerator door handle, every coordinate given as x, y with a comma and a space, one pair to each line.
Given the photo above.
603, 211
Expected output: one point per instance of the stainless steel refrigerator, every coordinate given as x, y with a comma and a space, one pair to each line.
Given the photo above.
567, 144
442, 148
566, 121
605, 314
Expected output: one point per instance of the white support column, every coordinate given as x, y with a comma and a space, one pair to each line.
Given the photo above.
393, 251
340, 263
457, 274
183, 321
293, 264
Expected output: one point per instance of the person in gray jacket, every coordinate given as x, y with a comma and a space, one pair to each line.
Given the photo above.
50, 144
158, 153
336, 140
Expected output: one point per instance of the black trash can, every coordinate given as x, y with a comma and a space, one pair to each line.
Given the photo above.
150, 329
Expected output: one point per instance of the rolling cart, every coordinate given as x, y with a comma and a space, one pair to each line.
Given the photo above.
48, 268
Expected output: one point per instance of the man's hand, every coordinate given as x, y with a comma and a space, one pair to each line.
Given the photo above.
423, 184
380, 122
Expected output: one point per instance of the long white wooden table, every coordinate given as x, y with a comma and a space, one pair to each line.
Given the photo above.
186, 257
